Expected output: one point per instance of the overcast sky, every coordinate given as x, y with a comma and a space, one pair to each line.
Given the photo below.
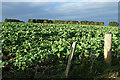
91, 11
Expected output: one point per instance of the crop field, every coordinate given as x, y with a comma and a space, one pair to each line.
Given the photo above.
38, 46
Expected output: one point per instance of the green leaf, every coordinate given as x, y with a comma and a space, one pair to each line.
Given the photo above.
54, 49
23, 63
58, 54
68, 52
61, 49
97, 54
23, 68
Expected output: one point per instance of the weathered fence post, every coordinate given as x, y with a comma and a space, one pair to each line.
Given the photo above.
108, 48
70, 59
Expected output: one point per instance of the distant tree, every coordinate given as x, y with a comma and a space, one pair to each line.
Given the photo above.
6, 20
45, 21
68, 22
88, 23
102, 23
50, 21
113, 23
12, 20
65, 22
77, 22
96, 23
91, 23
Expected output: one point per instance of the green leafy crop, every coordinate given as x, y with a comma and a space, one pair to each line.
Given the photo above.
31, 43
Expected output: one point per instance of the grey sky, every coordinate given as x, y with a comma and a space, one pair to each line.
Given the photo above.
91, 11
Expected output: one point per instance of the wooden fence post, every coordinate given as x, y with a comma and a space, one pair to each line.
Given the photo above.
108, 48
70, 59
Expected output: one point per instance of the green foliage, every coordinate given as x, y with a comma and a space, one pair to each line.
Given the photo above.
54, 21
73, 22
113, 23
58, 22
29, 44
102, 23
12, 20
91, 23
40, 21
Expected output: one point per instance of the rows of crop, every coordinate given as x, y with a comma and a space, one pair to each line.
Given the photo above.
29, 43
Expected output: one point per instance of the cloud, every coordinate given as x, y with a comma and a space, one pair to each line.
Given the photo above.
86, 9
0, 12
26, 10
61, 1
99, 11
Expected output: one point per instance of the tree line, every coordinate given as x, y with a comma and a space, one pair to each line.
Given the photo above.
113, 23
